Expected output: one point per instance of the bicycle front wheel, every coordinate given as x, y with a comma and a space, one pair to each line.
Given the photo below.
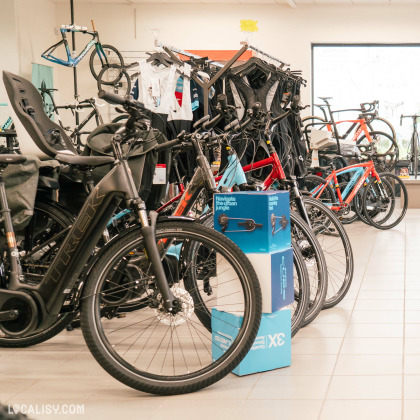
164, 353
385, 204
111, 56
335, 244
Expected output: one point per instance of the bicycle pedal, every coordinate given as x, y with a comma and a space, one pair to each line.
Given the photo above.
123, 315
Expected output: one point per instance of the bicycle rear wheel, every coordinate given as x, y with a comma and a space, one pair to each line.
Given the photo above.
38, 245
114, 79
161, 353
314, 184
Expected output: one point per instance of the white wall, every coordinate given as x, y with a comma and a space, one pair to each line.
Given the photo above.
283, 31
26, 30
8, 48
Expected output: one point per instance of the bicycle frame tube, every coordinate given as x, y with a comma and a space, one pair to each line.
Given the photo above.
71, 62
369, 170
82, 238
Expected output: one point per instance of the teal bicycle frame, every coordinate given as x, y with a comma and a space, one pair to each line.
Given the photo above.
73, 62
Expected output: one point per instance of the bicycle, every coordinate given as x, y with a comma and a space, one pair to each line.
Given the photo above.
385, 147
202, 186
136, 262
413, 153
75, 135
102, 56
381, 194
369, 109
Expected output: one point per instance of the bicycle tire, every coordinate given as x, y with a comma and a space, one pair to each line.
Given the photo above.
121, 85
389, 128
312, 184
96, 65
380, 157
399, 199
300, 280
300, 305
51, 211
316, 265
161, 383
338, 253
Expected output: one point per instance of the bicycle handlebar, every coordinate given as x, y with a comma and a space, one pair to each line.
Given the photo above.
127, 101
414, 117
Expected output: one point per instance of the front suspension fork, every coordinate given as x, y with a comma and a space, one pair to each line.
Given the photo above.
152, 251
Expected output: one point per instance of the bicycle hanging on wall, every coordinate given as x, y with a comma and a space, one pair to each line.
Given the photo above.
102, 56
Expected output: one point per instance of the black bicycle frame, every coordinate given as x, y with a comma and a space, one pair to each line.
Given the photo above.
63, 273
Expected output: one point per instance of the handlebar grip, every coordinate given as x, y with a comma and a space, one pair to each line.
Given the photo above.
401, 118
201, 121
93, 25
167, 145
111, 98
242, 126
212, 123
231, 125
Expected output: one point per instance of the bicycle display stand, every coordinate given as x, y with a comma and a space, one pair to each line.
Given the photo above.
259, 223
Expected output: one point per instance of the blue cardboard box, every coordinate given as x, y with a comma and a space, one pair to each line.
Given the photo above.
257, 221
271, 349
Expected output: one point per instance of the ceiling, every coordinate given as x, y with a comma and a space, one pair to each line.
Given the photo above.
291, 3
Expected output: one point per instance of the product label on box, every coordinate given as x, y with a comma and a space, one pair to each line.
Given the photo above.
273, 202
224, 203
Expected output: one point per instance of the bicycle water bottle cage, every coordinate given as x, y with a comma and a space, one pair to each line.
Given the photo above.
283, 222
248, 224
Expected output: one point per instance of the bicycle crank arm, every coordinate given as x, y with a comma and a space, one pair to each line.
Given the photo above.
9, 315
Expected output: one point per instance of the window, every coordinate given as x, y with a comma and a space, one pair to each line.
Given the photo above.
352, 74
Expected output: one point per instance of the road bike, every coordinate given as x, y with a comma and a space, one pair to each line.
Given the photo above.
413, 153
385, 147
378, 199
102, 56
161, 347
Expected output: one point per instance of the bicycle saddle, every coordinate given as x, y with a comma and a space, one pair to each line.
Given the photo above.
325, 98
12, 159
84, 160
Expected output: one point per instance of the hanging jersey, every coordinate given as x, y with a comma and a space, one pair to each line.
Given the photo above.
182, 110
156, 87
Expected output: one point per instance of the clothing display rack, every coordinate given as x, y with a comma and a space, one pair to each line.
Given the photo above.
253, 48
205, 85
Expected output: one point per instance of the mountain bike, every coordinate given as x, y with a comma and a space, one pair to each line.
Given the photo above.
380, 199
102, 56
161, 347
413, 153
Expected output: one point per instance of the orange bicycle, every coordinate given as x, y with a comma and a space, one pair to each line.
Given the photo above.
378, 199
383, 145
